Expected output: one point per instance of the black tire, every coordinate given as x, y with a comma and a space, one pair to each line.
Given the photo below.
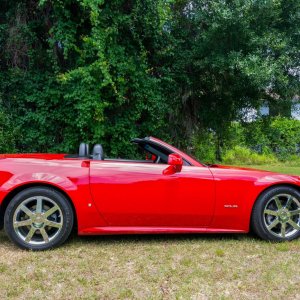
49, 231
272, 223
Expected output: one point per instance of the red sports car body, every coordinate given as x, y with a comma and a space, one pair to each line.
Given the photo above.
169, 193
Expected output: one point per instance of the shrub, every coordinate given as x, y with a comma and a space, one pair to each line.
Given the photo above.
204, 145
284, 137
241, 155
275, 137
235, 136
7, 134
292, 161
257, 135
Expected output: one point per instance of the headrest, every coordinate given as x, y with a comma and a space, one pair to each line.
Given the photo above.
98, 152
83, 150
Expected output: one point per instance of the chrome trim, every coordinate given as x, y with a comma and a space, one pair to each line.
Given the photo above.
282, 215
37, 220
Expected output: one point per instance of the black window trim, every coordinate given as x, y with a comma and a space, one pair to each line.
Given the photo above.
146, 141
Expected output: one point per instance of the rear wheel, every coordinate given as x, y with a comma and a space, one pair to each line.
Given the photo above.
276, 214
38, 218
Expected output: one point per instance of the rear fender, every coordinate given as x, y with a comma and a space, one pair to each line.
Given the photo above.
77, 190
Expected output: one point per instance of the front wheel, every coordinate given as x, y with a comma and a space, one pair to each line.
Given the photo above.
276, 214
38, 218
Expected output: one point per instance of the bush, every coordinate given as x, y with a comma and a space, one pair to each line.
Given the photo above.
241, 155
257, 136
284, 137
204, 145
263, 141
235, 136
278, 135
7, 134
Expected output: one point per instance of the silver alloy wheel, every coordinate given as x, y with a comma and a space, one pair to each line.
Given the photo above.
38, 220
282, 215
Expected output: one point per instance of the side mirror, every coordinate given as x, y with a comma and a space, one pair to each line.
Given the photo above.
175, 163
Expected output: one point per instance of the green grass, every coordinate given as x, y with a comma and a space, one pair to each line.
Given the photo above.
154, 267
279, 168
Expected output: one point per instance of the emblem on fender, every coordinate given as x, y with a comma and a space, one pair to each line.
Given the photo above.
231, 206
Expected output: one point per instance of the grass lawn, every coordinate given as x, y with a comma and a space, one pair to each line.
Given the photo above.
154, 267
280, 169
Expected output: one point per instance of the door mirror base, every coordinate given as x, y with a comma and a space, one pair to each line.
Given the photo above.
175, 164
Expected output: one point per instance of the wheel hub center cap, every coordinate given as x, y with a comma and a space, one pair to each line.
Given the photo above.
284, 215
38, 225
38, 221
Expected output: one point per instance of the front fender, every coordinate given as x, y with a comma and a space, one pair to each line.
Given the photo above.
237, 190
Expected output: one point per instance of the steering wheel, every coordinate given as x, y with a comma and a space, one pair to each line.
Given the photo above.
157, 160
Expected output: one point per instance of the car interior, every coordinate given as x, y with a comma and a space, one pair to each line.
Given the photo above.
153, 152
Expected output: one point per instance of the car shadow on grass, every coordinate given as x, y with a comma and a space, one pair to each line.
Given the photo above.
161, 238
146, 239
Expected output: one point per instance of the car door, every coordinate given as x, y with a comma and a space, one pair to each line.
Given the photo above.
138, 194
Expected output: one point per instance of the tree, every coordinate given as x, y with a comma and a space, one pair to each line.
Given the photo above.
81, 70
228, 56
108, 71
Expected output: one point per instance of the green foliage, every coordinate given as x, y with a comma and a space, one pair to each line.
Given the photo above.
85, 72
205, 146
256, 134
230, 55
8, 134
205, 143
108, 71
292, 160
262, 141
244, 156
235, 136
284, 136
278, 135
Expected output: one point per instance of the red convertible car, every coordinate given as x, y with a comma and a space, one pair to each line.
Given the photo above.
43, 197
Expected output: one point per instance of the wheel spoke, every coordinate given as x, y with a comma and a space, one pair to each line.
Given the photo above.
271, 212
295, 212
30, 234
295, 225
273, 224
26, 210
50, 211
278, 203
283, 229
22, 223
44, 235
53, 224
289, 202
39, 205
